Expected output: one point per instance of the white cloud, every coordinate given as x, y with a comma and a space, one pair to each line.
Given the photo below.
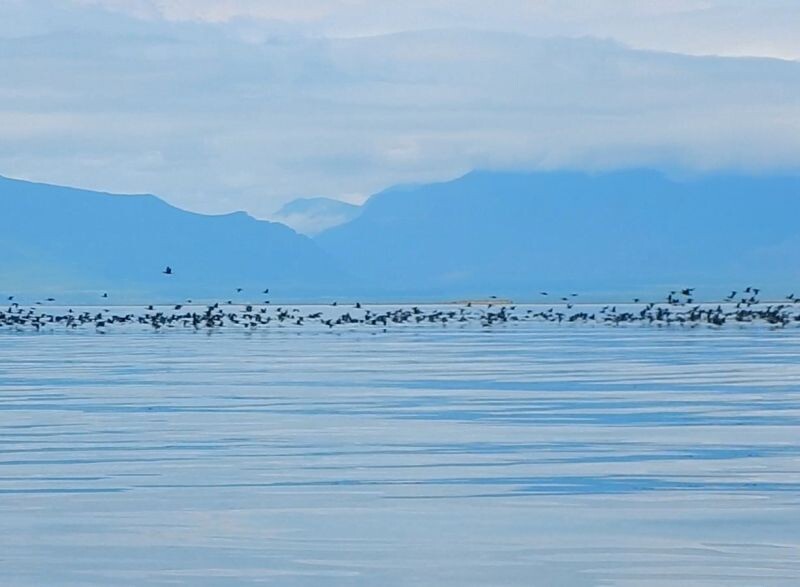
725, 27
222, 10
225, 116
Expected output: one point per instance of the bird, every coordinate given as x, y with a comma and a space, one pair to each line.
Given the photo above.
238, 290
167, 270
687, 291
266, 291
748, 310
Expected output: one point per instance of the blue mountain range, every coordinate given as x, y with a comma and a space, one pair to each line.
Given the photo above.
65, 241
515, 234
487, 233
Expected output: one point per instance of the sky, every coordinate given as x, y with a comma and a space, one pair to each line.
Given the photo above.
222, 105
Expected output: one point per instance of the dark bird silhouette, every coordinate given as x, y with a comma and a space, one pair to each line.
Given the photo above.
167, 270
676, 314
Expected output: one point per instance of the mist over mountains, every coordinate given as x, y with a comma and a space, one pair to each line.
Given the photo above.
487, 233
311, 216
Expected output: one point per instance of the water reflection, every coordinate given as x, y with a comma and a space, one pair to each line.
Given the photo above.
527, 455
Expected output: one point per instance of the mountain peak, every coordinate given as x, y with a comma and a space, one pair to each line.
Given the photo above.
311, 216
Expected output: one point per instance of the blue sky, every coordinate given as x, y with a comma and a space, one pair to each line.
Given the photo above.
243, 104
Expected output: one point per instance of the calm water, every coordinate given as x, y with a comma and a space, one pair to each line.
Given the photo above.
522, 455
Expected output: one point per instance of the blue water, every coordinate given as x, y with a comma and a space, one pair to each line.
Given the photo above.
522, 455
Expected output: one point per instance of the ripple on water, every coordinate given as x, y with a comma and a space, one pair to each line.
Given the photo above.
528, 455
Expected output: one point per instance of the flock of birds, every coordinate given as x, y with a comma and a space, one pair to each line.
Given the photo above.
678, 308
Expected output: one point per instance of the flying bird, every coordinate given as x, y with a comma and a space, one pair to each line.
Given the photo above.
167, 271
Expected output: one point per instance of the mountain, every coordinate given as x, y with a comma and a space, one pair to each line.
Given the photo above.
487, 233
74, 243
514, 234
311, 216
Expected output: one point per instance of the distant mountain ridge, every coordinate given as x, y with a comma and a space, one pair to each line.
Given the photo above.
514, 234
78, 242
310, 216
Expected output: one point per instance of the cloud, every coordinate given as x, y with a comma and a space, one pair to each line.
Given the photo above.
724, 27
218, 117
221, 10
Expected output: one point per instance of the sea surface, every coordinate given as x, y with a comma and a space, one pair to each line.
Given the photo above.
517, 455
